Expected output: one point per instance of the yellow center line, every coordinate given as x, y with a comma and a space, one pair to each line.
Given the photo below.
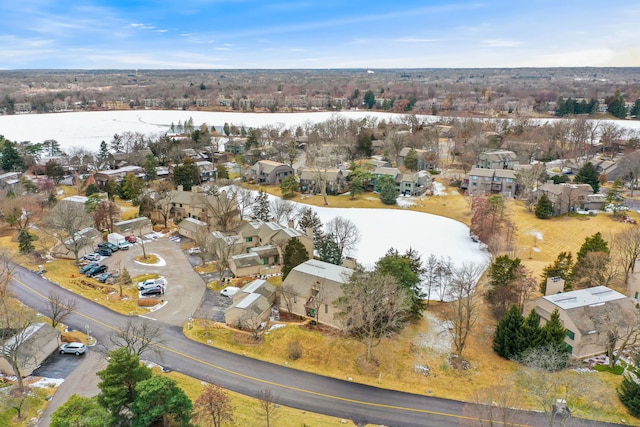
249, 377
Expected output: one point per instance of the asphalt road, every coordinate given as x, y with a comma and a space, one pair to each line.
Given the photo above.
360, 403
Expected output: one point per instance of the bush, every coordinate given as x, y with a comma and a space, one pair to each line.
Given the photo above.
295, 350
616, 370
148, 302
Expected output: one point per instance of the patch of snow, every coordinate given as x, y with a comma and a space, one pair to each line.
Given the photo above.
437, 337
161, 262
48, 382
406, 202
438, 189
277, 326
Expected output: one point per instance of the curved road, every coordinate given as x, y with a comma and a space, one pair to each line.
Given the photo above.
360, 403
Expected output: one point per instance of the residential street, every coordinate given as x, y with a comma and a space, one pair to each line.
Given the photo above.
360, 403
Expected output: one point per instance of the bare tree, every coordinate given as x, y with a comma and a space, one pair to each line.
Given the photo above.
138, 336
223, 207
495, 406
252, 322
282, 210
287, 294
618, 327
268, 402
213, 407
16, 326
373, 307
344, 232
245, 199
59, 307
629, 167
163, 197
626, 247
68, 219
463, 310
105, 214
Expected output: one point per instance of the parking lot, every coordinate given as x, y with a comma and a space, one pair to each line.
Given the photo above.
185, 288
58, 365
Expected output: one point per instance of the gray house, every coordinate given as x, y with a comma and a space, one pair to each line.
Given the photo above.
270, 172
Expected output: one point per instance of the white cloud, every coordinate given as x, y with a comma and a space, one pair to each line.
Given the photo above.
501, 43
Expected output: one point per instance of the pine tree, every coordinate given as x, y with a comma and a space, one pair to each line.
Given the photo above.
411, 160
629, 393
25, 242
294, 254
531, 330
615, 197
186, 174
593, 243
553, 333
588, 175
261, 207
388, 191
328, 250
222, 172
544, 207
561, 267
508, 341
309, 218
289, 186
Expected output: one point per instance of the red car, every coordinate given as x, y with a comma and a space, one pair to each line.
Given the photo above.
131, 239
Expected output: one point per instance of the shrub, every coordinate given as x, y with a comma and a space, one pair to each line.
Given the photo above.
295, 350
148, 302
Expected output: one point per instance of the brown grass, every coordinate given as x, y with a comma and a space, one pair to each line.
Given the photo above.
148, 302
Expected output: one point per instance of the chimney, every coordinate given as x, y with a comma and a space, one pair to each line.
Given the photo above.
555, 285
290, 224
180, 188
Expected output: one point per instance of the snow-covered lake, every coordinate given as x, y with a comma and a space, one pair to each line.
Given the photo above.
88, 129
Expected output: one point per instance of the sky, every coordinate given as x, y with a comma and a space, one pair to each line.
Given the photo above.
317, 34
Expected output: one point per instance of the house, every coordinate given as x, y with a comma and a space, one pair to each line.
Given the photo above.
587, 315
336, 180
9, 179
490, 181
312, 287
499, 159
117, 175
251, 305
206, 171
32, 345
250, 264
566, 197
135, 226
87, 239
426, 158
191, 228
257, 233
270, 172
410, 184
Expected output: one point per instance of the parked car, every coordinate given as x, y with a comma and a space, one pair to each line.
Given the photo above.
195, 251
87, 267
76, 348
152, 283
131, 239
105, 251
98, 269
108, 245
151, 291
229, 291
102, 278
93, 256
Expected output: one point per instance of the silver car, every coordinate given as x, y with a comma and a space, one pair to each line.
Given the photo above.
152, 283
76, 348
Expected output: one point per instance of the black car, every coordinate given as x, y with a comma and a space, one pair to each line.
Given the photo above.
108, 245
87, 267
105, 251
156, 290
98, 269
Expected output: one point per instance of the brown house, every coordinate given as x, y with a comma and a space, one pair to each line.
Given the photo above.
269, 172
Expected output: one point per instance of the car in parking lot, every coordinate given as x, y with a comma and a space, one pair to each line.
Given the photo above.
152, 291
105, 251
93, 256
152, 283
131, 239
102, 278
108, 245
76, 348
229, 291
98, 269
87, 267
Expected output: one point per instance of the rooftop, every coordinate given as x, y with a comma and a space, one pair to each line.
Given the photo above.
598, 295
325, 270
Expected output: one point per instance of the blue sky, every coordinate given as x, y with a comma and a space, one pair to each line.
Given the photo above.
168, 34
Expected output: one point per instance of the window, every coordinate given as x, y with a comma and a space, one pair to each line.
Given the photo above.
295, 298
474, 177
570, 334
326, 309
248, 239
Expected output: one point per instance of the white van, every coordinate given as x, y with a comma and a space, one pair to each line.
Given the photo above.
229, 291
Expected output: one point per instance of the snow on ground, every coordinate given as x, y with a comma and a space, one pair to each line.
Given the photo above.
47, 382
381, 229
438, 189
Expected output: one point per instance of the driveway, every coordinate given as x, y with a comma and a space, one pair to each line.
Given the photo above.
185, 287
58, 365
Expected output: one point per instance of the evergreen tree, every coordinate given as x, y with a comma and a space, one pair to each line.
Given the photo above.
91, 189
509, 341
388, 194
370, 99
294, 254
222, 172
160, 400
54, 170
616, 105
103, 154
150, 166
544, 207
309, 218
226, 129
328, 250
130, 187
501, 292
593, 243
560, 179
635, 109
615, 197
531, 330
553, 333
25, 242
588, 175
407, 270
119, 380
561, 267
411, 160
261, 207
11, 158
629, 392
80, 411
186, 174
289, 186
111, 187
